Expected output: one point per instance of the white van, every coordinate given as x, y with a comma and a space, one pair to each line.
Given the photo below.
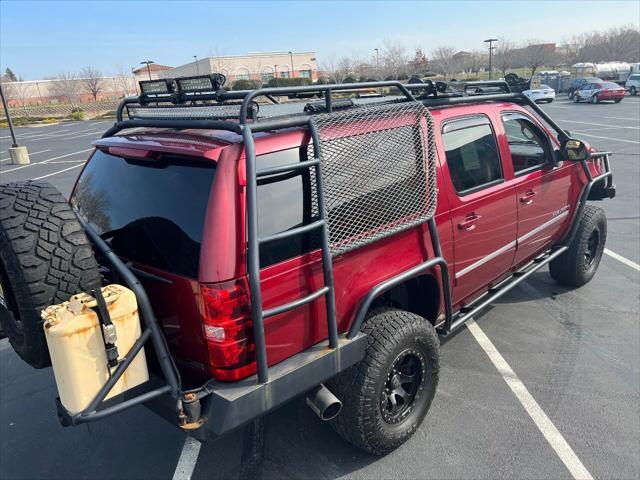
633, 83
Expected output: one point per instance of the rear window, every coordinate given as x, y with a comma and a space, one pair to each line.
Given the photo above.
149, 211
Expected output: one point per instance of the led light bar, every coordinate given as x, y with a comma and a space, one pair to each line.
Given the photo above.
156, 87
200, 83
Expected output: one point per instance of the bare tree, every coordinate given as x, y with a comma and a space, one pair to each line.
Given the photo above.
536, 54
394, 59
419, 64
219, 62
505, 56
92, 80
332, 67
20, 91
125, 81
66, 84
442, 60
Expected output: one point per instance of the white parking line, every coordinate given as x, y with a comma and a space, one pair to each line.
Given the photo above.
56, 173
47, 161
607, 138
620, 258
188, 458
623, 118
30, 154
542, 421
83, 135
599, 124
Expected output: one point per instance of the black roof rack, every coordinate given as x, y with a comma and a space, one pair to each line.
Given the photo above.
432, 95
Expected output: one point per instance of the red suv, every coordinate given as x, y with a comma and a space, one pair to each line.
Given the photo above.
323, 252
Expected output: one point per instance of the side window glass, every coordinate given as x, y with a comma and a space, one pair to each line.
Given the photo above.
525, 142
284, 202
472, 155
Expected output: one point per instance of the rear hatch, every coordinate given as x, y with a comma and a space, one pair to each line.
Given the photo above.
151, 209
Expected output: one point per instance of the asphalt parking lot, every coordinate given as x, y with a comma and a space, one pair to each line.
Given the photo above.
577, 352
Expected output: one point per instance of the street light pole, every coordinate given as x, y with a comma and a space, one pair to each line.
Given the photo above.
18, 154
9, 121
377, 63
491, 47
292, 70
147, 63
197, 69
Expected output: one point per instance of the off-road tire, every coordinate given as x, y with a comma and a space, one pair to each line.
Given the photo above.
390, 333
574, 268
45, 257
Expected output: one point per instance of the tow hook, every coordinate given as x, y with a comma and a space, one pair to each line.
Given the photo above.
189, 412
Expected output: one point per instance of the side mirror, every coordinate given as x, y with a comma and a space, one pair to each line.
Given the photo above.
575, 150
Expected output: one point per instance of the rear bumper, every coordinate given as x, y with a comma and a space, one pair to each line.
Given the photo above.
227, 406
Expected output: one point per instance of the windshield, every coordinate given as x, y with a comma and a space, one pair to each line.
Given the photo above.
150, 212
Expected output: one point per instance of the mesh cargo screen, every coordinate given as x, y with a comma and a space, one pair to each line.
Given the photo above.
378, 169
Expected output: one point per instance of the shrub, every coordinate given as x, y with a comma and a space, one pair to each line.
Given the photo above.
50, 120
288, 82
322, 81
246, 84
349, 79
77, 114
4, 124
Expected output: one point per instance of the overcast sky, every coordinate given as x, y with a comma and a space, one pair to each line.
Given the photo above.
39, 39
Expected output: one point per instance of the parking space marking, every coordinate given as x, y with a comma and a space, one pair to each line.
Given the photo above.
623, 118
620, 258
188, 459
600, 124
59, 171
30, 153
48, 160
542, 421
607, 138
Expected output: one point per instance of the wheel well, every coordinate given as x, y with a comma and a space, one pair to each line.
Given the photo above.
419, 295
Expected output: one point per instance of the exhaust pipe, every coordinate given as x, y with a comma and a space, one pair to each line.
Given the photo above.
324, 403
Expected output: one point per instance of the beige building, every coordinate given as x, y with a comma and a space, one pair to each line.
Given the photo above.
252, 66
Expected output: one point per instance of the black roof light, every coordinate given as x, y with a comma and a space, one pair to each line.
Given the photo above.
156, 87
200, 83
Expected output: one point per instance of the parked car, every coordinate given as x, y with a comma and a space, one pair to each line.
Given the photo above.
309, 254
633, 84
579, 82
543, 94
599, 92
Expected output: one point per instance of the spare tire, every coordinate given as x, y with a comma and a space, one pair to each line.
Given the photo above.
45, 257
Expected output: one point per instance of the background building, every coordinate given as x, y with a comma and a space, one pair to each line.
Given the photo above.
155, 69
252, 66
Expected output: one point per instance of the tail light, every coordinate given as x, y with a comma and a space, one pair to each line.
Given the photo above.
226, 321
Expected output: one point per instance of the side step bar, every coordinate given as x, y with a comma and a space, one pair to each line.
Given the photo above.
466, 313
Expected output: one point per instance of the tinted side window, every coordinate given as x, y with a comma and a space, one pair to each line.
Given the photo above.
285, 202
472, 155
525, 142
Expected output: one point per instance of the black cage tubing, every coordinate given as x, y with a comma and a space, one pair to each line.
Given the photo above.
253, 255
591, 181
383, 287
168, 367
327, 270
326, 89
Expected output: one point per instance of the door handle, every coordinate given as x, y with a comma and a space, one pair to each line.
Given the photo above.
527, 198
469, 222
